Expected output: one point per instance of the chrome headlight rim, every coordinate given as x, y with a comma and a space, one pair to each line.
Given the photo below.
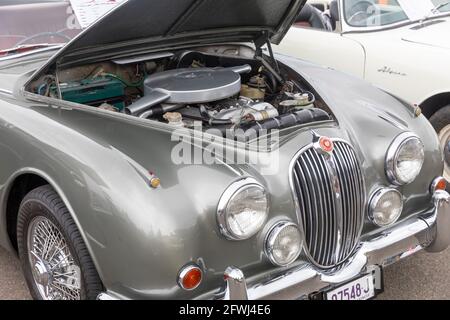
225, 199
271, 237
375, 198
392, 156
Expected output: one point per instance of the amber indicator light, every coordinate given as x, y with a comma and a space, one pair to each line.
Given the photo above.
190, 277
438, 184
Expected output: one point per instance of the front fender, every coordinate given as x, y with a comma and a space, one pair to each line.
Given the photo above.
139, 237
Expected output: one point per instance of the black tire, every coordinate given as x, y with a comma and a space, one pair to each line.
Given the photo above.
45, 202
440, 118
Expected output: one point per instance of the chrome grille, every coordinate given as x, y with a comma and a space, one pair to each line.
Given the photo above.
330, 196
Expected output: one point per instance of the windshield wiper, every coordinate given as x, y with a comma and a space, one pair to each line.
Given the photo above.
434, 11
27, 47
439, 6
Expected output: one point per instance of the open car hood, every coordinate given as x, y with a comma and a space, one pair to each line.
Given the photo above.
143, 24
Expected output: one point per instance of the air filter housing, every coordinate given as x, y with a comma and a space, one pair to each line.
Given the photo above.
189, 86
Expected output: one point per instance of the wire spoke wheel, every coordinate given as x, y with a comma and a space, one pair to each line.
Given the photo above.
54, 270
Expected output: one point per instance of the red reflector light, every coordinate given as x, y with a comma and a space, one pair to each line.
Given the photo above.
438, 184
190, 277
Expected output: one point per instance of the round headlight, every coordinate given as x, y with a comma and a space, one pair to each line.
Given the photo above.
243, 209
404, 158
385, 207
283, 243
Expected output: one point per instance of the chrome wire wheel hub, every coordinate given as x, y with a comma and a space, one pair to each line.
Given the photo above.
444, 141
55, 273
41, 273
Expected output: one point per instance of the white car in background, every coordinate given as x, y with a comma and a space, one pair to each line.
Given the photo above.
401, 46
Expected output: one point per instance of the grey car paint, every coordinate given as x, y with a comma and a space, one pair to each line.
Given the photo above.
140, 237
155, 24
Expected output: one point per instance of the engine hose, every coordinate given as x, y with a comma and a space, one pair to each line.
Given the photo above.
272, 80
160, 110
210, 121
285, 121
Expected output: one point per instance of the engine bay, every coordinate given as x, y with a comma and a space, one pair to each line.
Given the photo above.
220, 90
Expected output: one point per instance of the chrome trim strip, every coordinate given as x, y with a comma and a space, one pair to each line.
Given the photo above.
6, 92
338, 203
29, 53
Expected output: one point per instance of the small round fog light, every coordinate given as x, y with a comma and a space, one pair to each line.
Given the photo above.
190, 277
385, 207
283, 243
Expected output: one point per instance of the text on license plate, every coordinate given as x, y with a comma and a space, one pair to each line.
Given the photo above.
359, 289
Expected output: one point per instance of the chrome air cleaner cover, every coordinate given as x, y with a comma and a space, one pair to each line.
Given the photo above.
200, 85
188, 86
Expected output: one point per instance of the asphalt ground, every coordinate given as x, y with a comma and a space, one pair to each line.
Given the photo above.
422, 276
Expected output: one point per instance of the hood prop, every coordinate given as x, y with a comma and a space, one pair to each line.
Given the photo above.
264, 39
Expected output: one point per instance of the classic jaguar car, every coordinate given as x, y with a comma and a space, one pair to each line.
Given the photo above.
99, 200
399, 46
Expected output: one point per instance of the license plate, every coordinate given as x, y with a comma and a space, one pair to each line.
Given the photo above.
360, 289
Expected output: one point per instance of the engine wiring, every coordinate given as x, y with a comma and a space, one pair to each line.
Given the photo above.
265, 98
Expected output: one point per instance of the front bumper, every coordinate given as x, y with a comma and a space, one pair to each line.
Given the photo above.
430, 231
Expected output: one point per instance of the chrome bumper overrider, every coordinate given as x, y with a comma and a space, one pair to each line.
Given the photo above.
429, 231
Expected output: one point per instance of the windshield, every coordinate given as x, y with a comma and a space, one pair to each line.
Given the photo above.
370, 13
31, 22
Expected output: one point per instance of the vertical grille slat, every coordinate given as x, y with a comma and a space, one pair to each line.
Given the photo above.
306, 198
360, 190
351, 198
353, 223
324, 218
328, 205
346, 198
314, 202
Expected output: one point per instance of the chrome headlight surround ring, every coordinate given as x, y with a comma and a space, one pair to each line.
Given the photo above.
392, 157
272, 236
227, 196
374, 200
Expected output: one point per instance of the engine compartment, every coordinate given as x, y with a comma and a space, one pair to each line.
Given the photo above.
231, 92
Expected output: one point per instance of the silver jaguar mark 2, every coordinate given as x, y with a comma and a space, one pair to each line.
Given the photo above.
95, 205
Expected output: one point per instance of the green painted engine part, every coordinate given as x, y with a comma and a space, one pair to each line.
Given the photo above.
95, 92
